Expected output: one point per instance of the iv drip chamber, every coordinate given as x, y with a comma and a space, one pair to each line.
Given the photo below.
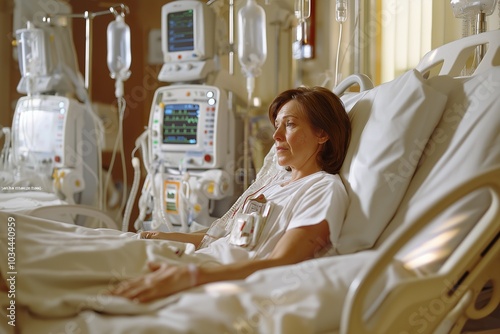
341, 11
119, 55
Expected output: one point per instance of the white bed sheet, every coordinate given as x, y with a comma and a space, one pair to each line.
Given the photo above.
305, 298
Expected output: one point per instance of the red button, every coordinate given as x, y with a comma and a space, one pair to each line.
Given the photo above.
208, 158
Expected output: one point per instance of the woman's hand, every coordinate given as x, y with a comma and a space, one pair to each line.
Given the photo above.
164, 280
155, 235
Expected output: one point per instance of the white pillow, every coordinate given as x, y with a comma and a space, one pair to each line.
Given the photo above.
390, 125
465, 143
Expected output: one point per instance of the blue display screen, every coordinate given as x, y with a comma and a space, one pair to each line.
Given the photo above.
180, 123
180, 31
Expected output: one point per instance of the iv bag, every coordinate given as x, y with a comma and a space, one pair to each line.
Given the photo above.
465, 8
31, 52
252, 43
119, 55
302, 9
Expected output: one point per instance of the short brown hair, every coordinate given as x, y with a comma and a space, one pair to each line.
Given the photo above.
325, 111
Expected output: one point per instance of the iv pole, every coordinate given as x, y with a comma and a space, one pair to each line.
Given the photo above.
89, 36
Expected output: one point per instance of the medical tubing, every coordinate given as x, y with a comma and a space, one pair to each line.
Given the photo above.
145, 152
143, 203
133, 193
161, 215
119, 142
337, 57
141, 143
5, 149
356, 22
246, 144
124, 166
184, 200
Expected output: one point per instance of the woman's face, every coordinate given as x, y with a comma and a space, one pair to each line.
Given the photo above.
297, 143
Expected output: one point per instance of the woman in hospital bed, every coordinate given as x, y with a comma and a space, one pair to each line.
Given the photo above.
311, 137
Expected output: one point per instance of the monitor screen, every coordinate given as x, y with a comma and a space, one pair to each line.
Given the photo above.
37, 129
180, 32
180, 123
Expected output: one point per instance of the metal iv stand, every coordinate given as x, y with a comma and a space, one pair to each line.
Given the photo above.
89, 35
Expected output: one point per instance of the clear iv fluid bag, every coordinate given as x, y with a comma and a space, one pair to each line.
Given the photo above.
119, 54
31, 52
302, 9
252, 43
469, 8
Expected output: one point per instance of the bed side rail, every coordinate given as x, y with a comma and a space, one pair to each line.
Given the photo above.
448, 296
361, 80
454, 55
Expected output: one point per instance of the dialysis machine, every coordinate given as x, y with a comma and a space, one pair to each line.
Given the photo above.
53, 150
54, 137
193, 136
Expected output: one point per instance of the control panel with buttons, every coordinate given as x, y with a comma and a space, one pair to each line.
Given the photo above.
190, 127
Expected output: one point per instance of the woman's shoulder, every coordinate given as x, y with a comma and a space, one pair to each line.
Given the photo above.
328, 182
325, 177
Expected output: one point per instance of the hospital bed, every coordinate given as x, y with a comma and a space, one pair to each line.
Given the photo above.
418, 248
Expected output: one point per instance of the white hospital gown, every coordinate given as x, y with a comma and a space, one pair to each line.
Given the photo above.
307, 201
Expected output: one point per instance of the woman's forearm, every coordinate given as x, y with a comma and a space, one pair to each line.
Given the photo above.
297, 245
236, 271
193, 238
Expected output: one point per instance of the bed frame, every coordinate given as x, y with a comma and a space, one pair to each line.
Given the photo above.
473, 268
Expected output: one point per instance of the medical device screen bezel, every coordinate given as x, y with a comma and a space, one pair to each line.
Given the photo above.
202, 20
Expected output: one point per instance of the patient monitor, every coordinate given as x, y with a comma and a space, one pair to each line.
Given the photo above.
193, 136
192, 148
191, 127
187, 41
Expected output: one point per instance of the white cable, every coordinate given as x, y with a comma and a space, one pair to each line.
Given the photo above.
118, 146
336, 79
133, 192
159, 209
184, 200
143, 203
5, 150
124, 166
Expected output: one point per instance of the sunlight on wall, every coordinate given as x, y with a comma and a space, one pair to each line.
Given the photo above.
406, 35
411, 28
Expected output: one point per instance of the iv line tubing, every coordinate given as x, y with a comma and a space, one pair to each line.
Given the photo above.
338, 56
